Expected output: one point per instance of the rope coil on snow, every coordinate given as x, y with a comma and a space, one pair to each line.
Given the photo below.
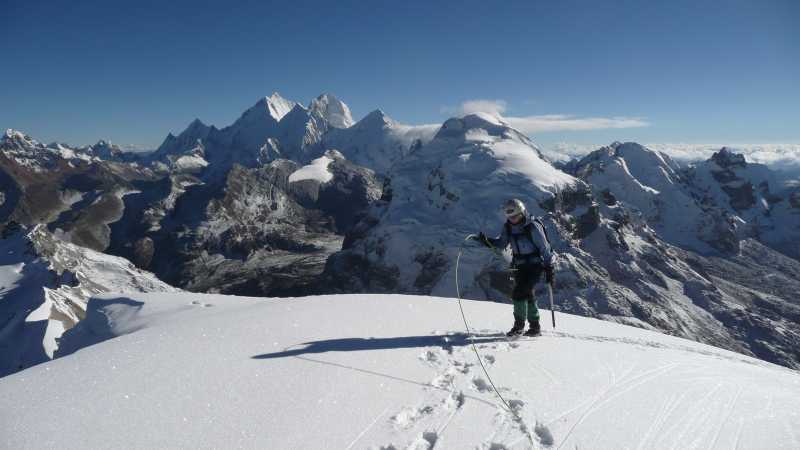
478, 355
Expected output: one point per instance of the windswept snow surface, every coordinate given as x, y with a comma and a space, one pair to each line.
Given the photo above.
45, 284
384, 371
317, 170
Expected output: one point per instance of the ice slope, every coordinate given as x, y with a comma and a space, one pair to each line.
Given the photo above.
384, 371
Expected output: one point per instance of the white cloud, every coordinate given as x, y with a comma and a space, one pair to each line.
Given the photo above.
560, 122
544, 123
494, 107
776, 156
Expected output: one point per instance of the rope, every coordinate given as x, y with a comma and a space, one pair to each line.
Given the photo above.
478, 355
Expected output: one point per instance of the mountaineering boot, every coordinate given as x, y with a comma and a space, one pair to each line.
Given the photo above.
534, 330
516, 330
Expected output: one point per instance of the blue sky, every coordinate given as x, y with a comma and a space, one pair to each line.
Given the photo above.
678, 71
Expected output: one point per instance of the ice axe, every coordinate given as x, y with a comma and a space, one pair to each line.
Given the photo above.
552, 311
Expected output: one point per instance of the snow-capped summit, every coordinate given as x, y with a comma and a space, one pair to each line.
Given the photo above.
440, 192
17, 140
257, 123
458, 127
377, 141
277, 105
186, 141
336, 112
104, 149
273, 107
376, 118
651, 168
649, 185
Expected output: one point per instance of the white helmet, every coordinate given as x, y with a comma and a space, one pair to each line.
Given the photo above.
514, 207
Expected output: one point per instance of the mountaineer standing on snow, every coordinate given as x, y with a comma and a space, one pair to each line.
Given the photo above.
532, 256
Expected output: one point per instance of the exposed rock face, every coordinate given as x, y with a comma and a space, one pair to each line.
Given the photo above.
756, 202
261, 234
69, 189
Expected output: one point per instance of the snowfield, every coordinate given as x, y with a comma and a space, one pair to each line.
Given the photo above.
383, 371
317, 170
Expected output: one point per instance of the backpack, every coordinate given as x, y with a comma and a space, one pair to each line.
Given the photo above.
527, 230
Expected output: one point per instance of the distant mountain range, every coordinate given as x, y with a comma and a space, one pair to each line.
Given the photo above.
295, 200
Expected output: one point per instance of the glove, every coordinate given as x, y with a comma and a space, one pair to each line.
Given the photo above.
549, 274
480, 237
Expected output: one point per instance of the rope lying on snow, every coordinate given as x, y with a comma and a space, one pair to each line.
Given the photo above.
478, 355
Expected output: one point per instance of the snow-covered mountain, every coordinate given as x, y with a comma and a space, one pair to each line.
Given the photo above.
760, 203
294, 200
635, 245
72, 189
378, 142
439, 194
46, 283
272, 128
384, 371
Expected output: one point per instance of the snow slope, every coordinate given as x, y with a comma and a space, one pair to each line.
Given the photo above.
378, 142
45, 284
383, 371
317, 170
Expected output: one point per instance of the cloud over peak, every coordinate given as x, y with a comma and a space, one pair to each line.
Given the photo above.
546, 122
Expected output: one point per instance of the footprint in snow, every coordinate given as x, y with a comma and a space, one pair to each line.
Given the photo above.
204, 305
544, 434
409, 416
455, 400
443, 381
497, 446
424, 441
516, 405
429, 356
480, 384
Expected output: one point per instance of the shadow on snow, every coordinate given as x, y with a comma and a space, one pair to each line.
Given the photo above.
446, 342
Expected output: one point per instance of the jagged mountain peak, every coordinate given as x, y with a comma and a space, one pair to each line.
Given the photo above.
268, 109
104, 149
104, 143
17, 139
13, 134
376, 118
196, 124
276, 105
333, 110
726, 158
186, 140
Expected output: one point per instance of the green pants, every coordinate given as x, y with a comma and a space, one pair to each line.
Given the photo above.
525, 278
526, 309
